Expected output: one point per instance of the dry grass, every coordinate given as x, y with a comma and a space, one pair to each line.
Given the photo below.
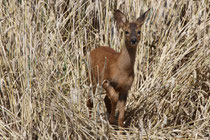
43, 64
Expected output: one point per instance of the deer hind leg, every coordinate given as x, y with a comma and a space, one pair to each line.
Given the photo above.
90, 101
111, 96
108, 103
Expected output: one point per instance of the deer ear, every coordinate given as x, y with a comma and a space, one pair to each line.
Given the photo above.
142, 18
120, 18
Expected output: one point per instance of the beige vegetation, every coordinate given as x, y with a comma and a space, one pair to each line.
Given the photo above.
43, 69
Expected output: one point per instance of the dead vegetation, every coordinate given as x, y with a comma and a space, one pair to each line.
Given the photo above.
43, 62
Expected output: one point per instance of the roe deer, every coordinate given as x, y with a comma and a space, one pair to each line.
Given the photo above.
115, 71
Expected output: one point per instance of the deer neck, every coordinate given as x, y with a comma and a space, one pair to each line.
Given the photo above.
127, 57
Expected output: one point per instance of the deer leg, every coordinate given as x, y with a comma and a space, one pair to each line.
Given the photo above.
90, 102
89, 105
107, 102
121, 108
121, 105
113, 97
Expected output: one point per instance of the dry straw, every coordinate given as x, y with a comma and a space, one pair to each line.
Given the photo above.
43, 65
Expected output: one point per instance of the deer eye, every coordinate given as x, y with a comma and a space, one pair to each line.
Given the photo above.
126, 32
139, 32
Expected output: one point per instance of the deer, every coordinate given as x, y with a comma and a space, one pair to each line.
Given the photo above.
114, 71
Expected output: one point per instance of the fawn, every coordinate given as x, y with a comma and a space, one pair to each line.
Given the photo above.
115, 71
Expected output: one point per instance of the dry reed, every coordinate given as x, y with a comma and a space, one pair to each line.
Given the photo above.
43, 64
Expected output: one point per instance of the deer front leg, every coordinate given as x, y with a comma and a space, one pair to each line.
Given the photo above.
113, 96
121, 108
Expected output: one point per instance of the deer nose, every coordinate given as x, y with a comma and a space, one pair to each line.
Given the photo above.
133, 41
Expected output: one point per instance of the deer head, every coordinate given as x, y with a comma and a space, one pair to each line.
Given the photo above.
132, 30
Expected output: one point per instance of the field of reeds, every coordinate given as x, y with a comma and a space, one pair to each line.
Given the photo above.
44, 48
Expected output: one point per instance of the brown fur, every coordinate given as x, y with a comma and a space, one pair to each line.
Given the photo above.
115, 71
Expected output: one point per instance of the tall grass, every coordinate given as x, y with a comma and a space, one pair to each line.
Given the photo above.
44, 47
